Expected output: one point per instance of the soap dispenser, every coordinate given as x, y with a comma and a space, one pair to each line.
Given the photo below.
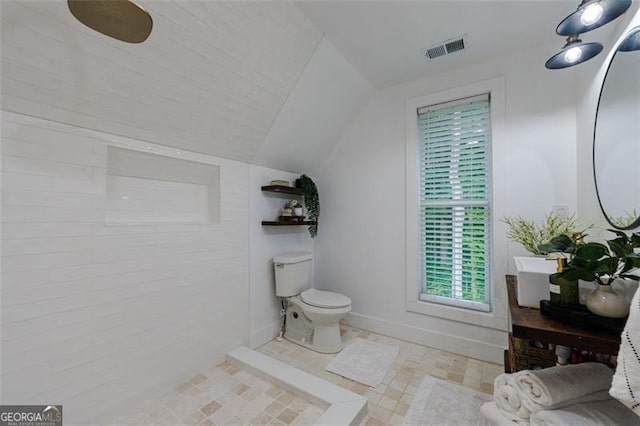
562, 291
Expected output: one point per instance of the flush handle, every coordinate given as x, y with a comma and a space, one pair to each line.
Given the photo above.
279, 265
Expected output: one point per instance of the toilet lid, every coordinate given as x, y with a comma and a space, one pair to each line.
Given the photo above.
325, 299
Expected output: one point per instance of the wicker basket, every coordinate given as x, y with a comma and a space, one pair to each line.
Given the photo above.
521, 362
523, 355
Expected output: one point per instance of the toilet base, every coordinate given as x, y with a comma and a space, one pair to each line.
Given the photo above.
321, 335
329, 343
327, 339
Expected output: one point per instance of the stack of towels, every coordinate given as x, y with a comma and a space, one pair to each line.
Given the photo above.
569, 395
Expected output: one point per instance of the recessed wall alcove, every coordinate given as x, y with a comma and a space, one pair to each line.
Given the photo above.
144, 187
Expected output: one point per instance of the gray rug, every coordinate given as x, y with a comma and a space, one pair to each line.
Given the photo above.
442, 403
364, 361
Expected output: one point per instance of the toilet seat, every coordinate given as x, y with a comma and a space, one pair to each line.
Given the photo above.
324, 299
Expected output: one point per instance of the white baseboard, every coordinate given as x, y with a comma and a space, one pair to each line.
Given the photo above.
264, 334
433, 339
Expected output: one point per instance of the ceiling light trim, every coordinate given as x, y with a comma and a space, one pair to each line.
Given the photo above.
575, 24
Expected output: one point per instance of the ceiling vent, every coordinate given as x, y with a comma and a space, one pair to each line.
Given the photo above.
446, 47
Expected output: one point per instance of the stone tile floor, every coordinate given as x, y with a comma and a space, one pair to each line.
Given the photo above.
389, 402
225, 395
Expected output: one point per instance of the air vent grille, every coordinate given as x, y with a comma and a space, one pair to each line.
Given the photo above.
455, 45
446, 47
434, 52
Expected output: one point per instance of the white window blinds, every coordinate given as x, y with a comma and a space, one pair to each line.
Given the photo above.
455, 140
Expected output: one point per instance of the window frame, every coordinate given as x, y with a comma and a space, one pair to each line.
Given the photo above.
485, 202
496, 318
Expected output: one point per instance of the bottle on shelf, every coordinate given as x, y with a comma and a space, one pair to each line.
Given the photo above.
562, 292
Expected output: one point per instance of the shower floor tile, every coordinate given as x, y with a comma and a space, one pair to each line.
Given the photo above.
224, 395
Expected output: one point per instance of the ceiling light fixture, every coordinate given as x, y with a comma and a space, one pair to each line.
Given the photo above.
121, 19
573, 53
592, 14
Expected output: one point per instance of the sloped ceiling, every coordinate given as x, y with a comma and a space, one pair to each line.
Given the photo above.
384, 39
329, 93
211, 78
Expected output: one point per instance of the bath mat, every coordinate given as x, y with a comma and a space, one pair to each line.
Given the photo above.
364, 361
442, 403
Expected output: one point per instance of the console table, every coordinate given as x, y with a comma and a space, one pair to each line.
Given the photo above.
529, 323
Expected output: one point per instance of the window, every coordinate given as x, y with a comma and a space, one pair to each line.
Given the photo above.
454, 202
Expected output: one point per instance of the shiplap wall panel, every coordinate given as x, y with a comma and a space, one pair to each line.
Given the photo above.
93, 316
211, 78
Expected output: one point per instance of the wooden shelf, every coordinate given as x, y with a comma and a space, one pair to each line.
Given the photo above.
288, 223
529, 323
282, 189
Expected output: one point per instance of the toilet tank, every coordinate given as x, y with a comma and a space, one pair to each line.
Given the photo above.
293, 273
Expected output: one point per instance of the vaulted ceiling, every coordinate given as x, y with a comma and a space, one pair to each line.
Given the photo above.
252, 81
212, 77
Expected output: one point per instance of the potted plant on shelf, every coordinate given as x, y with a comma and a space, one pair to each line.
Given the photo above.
296, 207
311, 201
603, 264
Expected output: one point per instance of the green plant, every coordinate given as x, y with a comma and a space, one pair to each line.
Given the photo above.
602, 263
311, 201
533, 237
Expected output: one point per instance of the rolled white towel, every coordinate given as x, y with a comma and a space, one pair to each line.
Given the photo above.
599, 413
558, 386
491, 412
508, 399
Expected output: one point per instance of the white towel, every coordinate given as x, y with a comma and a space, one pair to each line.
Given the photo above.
508, 399
609, 412
491, 412
626, 380
559, 386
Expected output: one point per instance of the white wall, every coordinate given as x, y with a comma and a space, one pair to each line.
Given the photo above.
265, 243
94, 316
361, 247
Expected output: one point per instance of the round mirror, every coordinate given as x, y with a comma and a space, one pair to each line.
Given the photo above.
616, 143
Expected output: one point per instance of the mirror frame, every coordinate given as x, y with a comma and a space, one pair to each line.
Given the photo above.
636, 222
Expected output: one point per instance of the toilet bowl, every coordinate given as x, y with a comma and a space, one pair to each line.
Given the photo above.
312, 316
325, 309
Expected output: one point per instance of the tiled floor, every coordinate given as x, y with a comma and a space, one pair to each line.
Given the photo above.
224, 395
389, 402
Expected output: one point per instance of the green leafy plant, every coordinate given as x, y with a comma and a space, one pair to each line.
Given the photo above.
311, 202
599, 262
534, 237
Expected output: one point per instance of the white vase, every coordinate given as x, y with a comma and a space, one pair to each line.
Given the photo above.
297, 211
605, 302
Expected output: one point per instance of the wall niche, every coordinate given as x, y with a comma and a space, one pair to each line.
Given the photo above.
144, 187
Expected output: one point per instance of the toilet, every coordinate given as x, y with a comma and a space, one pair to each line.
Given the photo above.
312, 316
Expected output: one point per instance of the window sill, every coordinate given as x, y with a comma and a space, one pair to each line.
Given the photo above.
482, 319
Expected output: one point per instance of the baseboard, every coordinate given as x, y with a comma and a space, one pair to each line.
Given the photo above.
433, 339
264, 334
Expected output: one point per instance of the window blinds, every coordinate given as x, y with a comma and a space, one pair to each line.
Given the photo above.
454, 202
